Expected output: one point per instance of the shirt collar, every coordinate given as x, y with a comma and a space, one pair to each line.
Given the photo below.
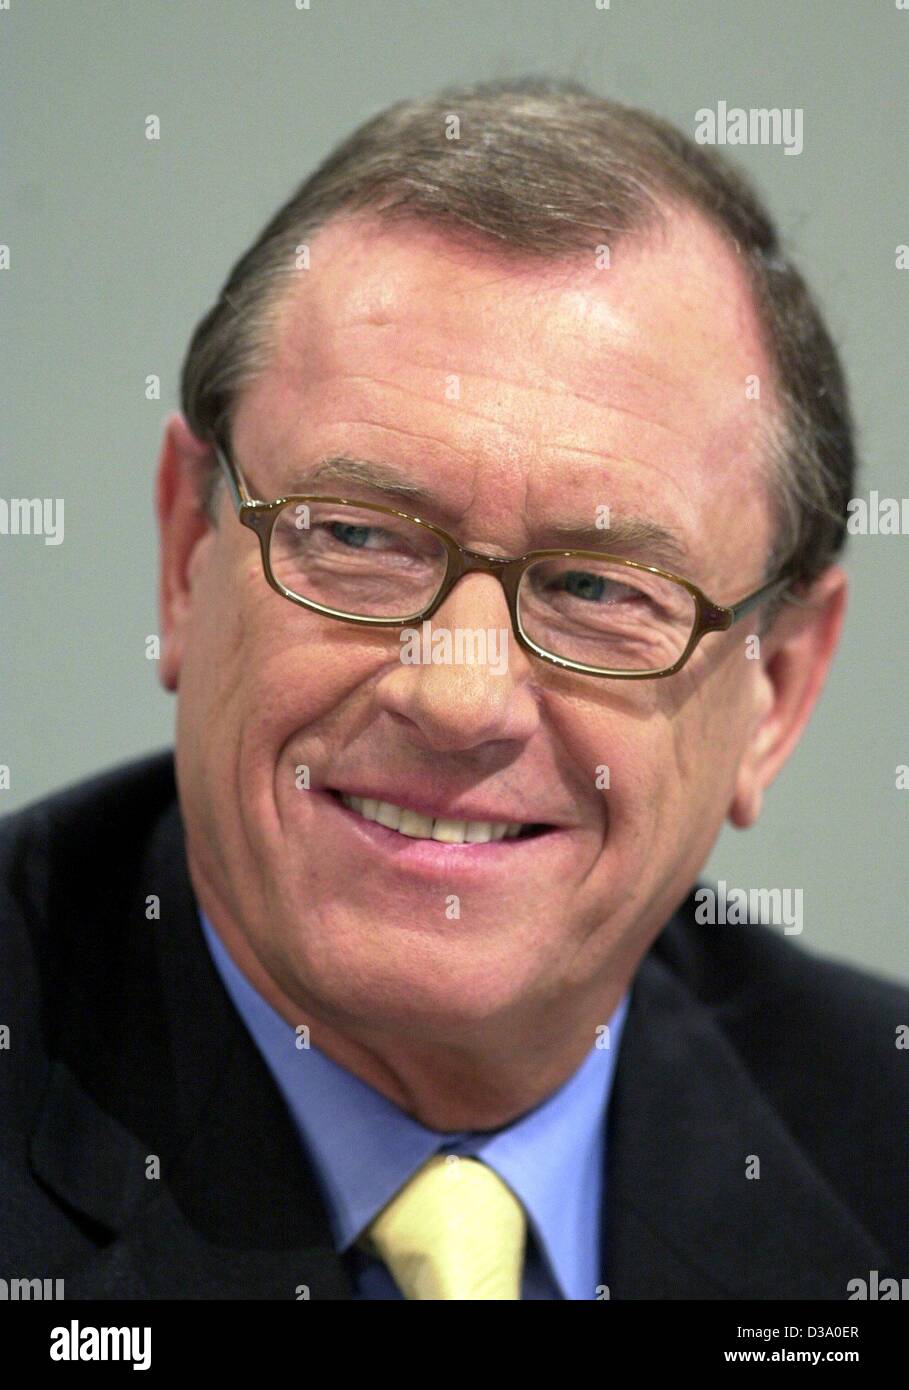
364, 1147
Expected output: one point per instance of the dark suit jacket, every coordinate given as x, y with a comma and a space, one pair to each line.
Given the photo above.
125, 1045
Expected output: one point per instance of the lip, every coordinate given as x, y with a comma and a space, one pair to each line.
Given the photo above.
435, 858
427, 806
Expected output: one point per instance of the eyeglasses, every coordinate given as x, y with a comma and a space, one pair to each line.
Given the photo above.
583, 610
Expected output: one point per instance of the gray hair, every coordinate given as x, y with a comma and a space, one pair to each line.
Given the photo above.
545, 169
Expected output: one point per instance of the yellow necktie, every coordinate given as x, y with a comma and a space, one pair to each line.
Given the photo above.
455, 1230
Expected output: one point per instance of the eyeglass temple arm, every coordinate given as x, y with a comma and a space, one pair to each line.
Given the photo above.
738, 610
236, 485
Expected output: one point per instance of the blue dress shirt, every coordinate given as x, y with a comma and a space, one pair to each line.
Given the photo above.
364, 1148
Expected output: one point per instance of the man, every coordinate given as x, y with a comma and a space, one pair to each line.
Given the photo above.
395, 981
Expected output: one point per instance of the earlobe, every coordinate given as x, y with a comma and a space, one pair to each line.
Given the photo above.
182, 524
748, 798
747, 802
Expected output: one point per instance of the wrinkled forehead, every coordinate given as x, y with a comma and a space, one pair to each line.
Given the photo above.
648, 353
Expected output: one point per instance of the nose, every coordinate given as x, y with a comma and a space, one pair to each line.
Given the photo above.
453, 704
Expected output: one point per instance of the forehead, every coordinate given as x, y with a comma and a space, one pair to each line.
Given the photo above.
671, 299
628, 374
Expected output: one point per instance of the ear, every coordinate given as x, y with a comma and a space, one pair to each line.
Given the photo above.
183, 469
796, 654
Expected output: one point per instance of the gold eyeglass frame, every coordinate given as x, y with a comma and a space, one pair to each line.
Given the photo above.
260, 516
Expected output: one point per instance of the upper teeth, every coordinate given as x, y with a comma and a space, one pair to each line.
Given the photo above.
420, 827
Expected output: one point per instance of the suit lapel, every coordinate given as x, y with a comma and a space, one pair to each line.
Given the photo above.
155, 1067
682, 1219
235, 1215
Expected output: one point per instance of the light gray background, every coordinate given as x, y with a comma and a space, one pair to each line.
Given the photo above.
119, 244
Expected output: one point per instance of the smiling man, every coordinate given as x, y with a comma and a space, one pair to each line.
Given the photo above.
392, 985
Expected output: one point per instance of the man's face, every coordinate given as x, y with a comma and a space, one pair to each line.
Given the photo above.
577, 387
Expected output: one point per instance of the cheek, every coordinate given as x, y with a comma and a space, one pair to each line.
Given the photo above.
669, 750
624, 750
260, 669
709, 733
215, 663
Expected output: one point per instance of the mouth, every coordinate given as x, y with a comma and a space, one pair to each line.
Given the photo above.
415, 825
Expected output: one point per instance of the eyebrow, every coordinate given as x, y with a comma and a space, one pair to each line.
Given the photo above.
630, 535
378, 476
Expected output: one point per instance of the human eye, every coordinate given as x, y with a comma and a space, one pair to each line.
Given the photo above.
356, 536
590, 587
